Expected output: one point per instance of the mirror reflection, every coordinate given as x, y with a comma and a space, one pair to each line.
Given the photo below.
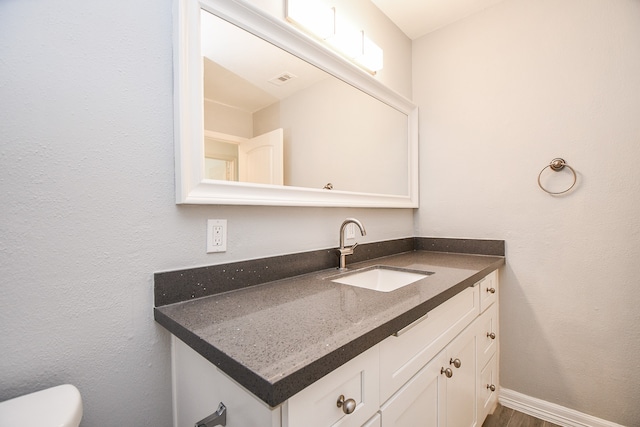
272, 118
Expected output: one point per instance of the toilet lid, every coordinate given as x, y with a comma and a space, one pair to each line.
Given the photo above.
59, 406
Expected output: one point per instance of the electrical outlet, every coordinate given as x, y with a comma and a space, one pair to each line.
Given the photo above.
216, 235
351, 231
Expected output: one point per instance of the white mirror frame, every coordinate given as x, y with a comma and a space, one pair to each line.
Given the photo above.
191, 186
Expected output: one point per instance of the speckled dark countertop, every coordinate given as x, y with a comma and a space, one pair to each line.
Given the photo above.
279, 337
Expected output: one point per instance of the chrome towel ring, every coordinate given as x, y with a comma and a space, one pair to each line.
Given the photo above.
557, 165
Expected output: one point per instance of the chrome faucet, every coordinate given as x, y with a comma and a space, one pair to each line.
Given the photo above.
344, 251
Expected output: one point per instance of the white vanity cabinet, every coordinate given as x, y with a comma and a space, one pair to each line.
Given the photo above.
316, 405
487, 334
442, 370
421, 400
403, 354
460, 400
442, 393
424, 399
457, 387
374, 422
198, 388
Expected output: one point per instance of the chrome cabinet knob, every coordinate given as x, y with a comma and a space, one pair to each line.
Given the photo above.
491, 387
455, 362
491, 335
447, 372
348, 405
491, 290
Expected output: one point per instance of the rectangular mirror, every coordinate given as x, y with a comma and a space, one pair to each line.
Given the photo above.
267, 116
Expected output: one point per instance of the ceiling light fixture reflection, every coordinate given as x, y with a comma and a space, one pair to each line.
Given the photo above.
325, 24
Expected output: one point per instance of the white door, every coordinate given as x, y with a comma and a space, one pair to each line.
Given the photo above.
421, 401
260, 159
461, 387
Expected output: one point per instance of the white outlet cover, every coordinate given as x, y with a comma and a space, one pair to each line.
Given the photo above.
216, 235
351, 231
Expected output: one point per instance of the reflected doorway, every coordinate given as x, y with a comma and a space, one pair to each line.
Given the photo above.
258, 160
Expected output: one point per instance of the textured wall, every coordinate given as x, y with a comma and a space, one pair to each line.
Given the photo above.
501, 94
87, 210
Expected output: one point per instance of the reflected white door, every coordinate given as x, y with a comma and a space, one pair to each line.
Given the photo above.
260, 159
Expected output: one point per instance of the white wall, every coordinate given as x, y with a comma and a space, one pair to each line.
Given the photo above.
329, 136
501, 94
222, 118
87, 210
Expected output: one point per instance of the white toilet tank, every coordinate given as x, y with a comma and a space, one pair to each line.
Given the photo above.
59, 406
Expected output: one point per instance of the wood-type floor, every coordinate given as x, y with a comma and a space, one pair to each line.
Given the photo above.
507, 417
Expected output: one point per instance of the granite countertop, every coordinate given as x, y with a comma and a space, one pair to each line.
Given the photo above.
277, 338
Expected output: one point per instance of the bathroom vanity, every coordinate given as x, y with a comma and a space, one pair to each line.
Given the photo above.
309, 351
286, 341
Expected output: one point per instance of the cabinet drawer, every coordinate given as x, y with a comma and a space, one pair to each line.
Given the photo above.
488, 290
487, 398
402, 356
316, 405
487, 335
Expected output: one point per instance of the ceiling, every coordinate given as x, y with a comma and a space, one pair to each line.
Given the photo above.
243, 71
419, 17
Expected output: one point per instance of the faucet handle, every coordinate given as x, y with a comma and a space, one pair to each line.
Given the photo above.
346, 251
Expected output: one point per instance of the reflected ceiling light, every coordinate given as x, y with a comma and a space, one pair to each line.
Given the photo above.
324, 24
313, 16
371, 56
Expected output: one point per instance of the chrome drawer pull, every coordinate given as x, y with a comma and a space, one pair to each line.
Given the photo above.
410, 325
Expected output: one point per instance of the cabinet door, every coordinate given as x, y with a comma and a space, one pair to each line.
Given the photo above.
421, 401
461, 386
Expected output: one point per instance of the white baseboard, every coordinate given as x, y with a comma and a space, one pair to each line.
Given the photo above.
550, 411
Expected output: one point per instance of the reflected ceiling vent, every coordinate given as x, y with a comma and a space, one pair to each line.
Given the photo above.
282, 79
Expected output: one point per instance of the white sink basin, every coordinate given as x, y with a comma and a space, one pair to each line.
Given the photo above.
380, 278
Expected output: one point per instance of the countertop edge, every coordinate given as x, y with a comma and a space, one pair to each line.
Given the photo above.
227, 365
